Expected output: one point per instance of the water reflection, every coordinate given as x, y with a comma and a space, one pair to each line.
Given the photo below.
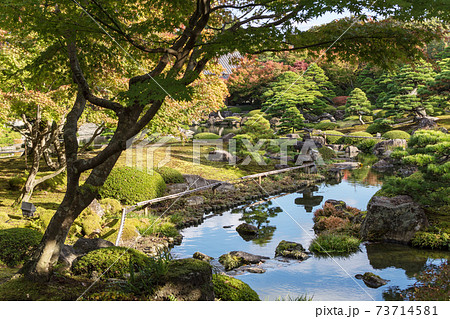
309, 200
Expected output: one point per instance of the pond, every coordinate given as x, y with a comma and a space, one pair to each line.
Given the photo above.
289, 217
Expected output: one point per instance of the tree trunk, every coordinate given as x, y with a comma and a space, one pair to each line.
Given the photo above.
361, 120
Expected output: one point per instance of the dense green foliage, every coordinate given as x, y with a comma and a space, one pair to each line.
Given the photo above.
231, 289
291, 120
434, 240
429, 151
112, 262
333, 139
170, 175
378, 127
354, 140
357, 103
16, 245
326, 125
206, 136
130, 185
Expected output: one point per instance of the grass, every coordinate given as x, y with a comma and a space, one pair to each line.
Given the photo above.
334, 244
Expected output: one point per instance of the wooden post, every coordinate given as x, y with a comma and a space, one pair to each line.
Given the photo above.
259, 180
122, 223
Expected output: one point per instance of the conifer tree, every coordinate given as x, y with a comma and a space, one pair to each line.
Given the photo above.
291, 120
358, 104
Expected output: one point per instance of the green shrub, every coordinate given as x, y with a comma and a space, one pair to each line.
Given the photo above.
367, 118
396, 134
170, 175
117, 259
111, 207
234, 109
232, 118
354, 140
17, 182
130, 185
254, 112
378, 128
326, 125
327, 153
231, 289
333, 139
334, 244
367, 144
206, 136
17, 244
431, 240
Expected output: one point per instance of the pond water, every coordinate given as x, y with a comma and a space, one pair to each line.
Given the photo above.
289, 217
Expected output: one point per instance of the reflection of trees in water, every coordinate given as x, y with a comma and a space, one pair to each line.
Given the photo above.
308, 199
410, 259
364, 175
393, 293
259, 216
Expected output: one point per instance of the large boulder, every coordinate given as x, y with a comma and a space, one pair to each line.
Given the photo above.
85, 245
425, 123
289, 249
394, 219
371, 280
247, 229
383, 165
221, 156
382, 148
236, 259
351, 151
67, 256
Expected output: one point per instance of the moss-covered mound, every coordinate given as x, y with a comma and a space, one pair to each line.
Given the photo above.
117, 259
230, 261
378, 128
354, 140
17, 244
396, 134
334, 244
170, 175
333, 139
206, 136
232, 289
130, 185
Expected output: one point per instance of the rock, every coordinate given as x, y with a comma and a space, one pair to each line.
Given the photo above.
195, 200
227, 226
196, 181
228, 137
227, 288
255, 270
221, 156
337, 147
347, 165
351, 151
296, 136
339, 115
394, 219
281, 166
289, 249
383, 165
67, 256
338, 204
334, 173
187, 280
371, 280
247, 229
236, 259
177, 188
406, 171
425, 123
225, 187
201, 256
85, 245
96, 208
382, 147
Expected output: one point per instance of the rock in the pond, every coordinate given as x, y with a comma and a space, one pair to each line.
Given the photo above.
383, 165
351, 151
393, 219
338, 204
201, 256
85, 245
381, 149
227, 226
371, 280
236, 259
255, 270
195, 200
247, 229
289, 249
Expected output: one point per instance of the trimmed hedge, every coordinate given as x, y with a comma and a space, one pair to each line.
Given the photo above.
130, 185
333, 139
378, 128
231, 289
396, 134
326, 125
206, 136
354, 140
17, 244
170, 175
117, 259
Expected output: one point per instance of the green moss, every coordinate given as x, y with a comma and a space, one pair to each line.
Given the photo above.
327, 153
170, 175
111, 207
439, 240
354, 140
130, 185
17, 244
114, 262
91, 223
396, 134
17, 182
231, 289
230, 262
206, 136
378, 128
182, 268
326, 125
334, 244
333, 139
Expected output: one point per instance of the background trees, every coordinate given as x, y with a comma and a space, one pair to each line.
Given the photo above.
358, 104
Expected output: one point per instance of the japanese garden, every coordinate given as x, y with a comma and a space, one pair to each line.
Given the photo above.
228, 150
